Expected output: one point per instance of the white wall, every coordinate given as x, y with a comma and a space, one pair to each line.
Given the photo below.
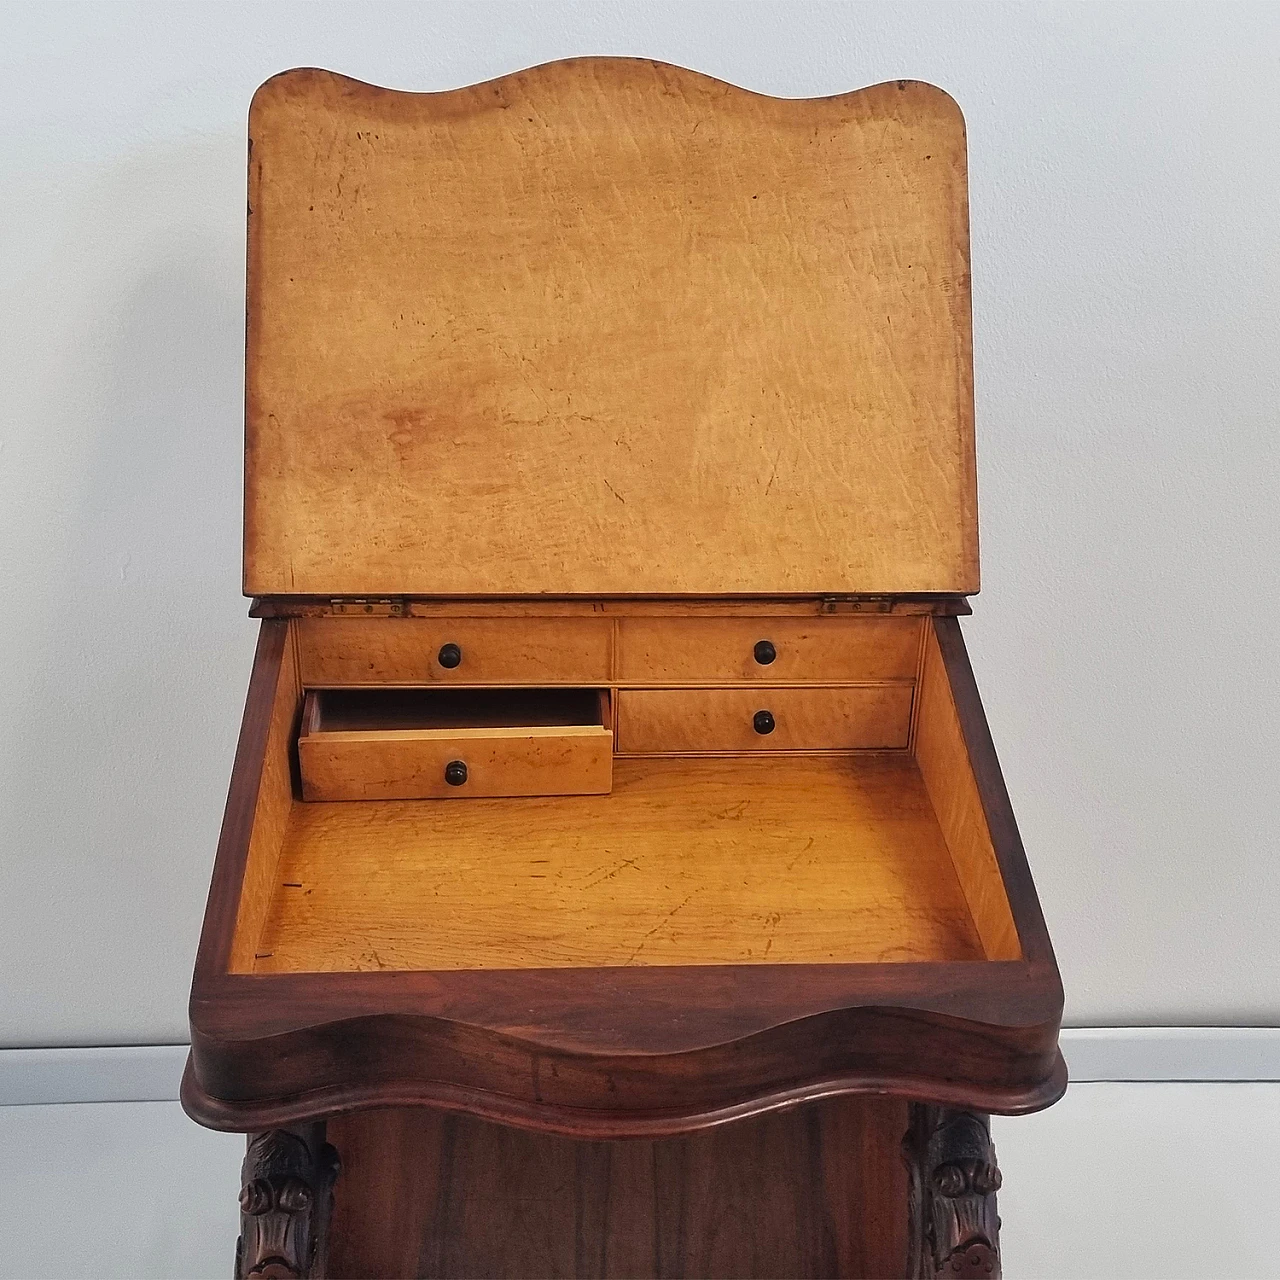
1124, 197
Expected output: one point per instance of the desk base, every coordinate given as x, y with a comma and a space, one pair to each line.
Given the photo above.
832, 1188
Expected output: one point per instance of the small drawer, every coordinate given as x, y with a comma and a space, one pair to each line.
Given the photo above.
773, 650
532, 651
416, 744
764, 719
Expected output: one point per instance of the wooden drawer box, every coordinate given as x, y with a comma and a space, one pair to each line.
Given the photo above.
764, 719
772, 650
403, 744
336, 652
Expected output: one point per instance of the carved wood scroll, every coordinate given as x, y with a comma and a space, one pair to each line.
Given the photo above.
285, 1196
953, 1227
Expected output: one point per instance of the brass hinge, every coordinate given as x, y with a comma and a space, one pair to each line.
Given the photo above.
384, 608
857, 604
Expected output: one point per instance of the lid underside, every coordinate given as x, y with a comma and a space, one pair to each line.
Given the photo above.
607, 327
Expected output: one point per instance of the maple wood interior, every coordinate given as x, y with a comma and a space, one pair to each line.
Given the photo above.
400, 710
618, 330
851, 856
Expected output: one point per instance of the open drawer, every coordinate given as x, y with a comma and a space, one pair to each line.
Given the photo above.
413, 744
851, 919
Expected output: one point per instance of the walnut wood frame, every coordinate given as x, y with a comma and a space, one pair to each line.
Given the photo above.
619, 1052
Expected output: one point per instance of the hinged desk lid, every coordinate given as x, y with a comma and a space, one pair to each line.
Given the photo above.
607, 327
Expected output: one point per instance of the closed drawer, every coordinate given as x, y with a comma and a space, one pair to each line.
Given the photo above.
421, 744
770, 650
532, 651
764, 719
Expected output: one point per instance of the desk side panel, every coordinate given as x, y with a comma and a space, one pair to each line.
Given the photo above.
275, 794
1019, 890
943, 759
256, 794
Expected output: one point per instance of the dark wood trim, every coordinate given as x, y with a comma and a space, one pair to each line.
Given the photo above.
650, 1010
601, 1123
668, 1055
309, 606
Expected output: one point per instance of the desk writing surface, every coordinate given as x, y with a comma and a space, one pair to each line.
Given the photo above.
607, 327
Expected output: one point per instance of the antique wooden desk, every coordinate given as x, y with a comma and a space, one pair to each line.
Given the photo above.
617, 876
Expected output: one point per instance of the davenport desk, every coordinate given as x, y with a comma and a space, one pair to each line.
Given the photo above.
617, 877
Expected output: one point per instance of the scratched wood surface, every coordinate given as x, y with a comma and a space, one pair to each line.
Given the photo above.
607, 326
688, 861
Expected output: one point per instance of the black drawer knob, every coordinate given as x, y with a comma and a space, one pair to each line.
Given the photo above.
449, 656
765, 652
763, 722
455, 772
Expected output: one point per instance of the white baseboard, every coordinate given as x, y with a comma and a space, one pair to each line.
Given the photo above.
1171, 1053
151, 1073
125, 1073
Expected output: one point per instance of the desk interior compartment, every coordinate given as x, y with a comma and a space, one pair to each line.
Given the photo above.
877, 856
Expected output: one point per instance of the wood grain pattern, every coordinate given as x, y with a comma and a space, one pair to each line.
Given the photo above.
273, 804
532, 651
701, 650
541, 645
607, 327
277, 1049
410, 764
408, 744
804, 719
687, 862
943, 757
816, 1191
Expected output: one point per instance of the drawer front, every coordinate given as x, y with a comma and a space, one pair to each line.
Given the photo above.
770, 650
764, 719
534, 651
457, 763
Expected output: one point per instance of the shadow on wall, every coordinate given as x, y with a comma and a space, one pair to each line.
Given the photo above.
125, 734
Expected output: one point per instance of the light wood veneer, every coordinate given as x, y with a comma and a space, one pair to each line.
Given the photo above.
652, 721
701, 650
528, 651
607, 328
737, 861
